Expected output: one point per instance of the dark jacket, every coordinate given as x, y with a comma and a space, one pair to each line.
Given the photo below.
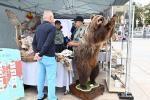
43, 41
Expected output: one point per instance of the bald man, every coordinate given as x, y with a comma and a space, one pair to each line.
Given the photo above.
44, 48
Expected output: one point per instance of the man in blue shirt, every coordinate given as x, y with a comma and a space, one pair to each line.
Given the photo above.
44, 48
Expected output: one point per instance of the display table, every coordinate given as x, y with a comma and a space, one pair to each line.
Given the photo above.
64, 77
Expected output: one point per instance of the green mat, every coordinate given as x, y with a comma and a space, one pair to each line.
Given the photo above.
89, 87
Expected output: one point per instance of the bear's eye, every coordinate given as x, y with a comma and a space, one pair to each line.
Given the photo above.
101, 19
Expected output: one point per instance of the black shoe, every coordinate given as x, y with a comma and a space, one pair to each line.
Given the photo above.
44, 97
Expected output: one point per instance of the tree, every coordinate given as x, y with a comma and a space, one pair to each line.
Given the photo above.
139, 15
147, 14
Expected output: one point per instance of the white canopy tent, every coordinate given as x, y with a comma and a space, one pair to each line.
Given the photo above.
63, 8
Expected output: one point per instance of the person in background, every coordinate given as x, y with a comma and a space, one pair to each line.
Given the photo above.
145, 31
59, 37
73, 30
44, 48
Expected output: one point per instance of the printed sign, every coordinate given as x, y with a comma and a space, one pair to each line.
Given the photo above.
11, 83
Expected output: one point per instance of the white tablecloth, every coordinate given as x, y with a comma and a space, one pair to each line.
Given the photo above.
64, 77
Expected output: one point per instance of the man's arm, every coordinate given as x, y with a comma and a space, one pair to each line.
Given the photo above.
50, 38
34, 44
73, 43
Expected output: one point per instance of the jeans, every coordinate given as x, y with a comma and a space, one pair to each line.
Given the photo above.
47, 66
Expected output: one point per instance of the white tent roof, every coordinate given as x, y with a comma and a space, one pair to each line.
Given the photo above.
65, 8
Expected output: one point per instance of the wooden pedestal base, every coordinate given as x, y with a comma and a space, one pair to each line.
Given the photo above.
87, 95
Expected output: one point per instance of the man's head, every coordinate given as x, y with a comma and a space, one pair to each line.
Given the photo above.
48, 16
58, 24
78, 21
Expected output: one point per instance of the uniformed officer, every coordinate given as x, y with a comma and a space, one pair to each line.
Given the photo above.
80, 29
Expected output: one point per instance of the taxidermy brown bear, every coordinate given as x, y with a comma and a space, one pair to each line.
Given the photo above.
86, 54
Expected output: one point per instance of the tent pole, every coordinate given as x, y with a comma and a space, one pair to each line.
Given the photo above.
127, 95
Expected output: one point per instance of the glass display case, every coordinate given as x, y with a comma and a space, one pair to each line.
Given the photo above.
116, 68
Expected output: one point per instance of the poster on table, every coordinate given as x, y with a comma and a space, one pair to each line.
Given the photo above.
11, 83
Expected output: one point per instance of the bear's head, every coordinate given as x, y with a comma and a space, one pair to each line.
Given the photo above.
99, 29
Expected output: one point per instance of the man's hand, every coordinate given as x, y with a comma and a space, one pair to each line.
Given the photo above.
72, 43
37, 57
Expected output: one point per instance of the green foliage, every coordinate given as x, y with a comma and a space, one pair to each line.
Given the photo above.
142, 13
139, 15
147, 14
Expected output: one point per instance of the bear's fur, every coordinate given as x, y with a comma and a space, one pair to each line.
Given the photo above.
86, 54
